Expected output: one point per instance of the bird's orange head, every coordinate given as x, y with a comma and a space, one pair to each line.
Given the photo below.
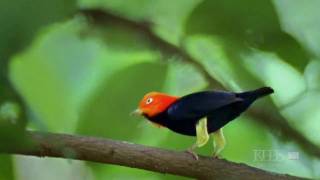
154, 103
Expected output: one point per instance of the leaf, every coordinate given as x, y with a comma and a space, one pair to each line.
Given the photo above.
212, 54
68, 74
44, 71
7, 170
34, 168
21, 20
249, 19
166, 21
107, 112
287, 82
246, 24
169, 20
312, 75
300, 19
183, 79
245, 136
304, 114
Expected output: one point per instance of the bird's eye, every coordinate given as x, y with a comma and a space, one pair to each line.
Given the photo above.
149, 100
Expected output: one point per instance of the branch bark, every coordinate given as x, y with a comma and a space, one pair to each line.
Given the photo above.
275, 121
138, 156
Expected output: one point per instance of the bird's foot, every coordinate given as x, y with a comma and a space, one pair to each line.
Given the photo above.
194, 155
216, 156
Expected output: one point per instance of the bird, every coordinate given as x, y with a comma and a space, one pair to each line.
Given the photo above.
198, 114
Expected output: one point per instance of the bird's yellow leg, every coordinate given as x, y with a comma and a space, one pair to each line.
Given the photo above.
202, 133
202, 136
219, 142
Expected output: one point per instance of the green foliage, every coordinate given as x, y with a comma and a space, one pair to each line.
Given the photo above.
167, 21
273, 68
247, 24
83, 78
113, 103
300, 20
21, 20
7, 169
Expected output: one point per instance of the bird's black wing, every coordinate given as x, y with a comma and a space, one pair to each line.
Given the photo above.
200, 104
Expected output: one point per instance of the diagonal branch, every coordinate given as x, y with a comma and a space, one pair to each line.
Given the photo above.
273, 120
103, 17
138, 156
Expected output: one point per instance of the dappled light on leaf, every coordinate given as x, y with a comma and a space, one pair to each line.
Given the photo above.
83, 66
114, 100
312, 75
178, 84
300, 18
287, 82
211, 54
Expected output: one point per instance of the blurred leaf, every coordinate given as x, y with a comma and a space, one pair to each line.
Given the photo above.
248, 23
21, 20
213, 58
252, 144
43, 73
119, 172
249, 19
297, 103
34, 168
312, 75
211, 52
6, 168
167, 20
183, 79
300, 19
303, 165
135, 9
283, 158
70, 73
113, 101
304, 115
287, 82
245, 136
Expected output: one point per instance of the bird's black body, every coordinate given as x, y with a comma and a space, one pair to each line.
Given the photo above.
218, 107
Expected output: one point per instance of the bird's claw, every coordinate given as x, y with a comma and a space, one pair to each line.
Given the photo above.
194, 155
216, 156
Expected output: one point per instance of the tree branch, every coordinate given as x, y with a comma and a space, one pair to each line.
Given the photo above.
274, 120
138, 156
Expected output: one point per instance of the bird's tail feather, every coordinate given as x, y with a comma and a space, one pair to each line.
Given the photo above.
257, 93
263, 91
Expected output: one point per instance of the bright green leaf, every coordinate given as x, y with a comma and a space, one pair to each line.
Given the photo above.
287, 82
7, 169
312, 75
301, 20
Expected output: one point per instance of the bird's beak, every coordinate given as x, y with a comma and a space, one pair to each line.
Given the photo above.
136, 112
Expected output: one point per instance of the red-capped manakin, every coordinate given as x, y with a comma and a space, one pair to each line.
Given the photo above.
198, 114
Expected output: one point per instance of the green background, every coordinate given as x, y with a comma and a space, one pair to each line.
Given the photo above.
80, 77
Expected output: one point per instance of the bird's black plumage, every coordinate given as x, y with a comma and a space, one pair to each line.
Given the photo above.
219, 107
